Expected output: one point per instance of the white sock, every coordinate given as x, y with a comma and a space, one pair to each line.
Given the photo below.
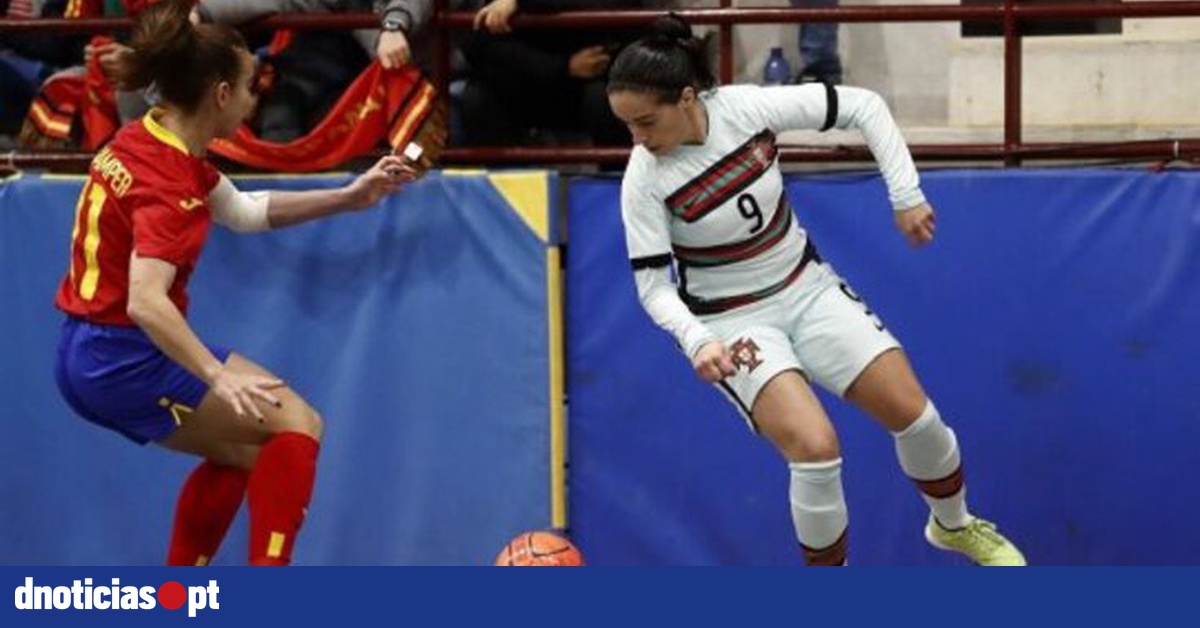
819, 511
928, 453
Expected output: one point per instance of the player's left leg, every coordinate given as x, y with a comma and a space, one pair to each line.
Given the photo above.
844, 347
928, 451
889, 392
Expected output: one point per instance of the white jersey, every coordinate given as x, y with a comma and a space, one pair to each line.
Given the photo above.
719, 209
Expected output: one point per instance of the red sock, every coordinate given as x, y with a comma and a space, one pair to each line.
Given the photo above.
208, 502
280, 486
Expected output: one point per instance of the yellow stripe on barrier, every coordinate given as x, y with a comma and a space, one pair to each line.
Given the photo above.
558, 420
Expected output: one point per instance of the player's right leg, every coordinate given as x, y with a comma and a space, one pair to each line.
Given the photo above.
789, 415
284, 446
777, 402
208, 503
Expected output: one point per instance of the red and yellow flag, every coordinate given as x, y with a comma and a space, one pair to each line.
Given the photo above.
399, 105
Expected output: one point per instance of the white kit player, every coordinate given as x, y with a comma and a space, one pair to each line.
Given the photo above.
751, 302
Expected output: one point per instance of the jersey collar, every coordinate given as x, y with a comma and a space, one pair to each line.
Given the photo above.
162, 133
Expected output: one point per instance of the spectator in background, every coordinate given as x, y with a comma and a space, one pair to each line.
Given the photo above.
310, 69
400, 21
314, 70
526, 82
72, 104
19, 80
131, 105
26, 60
406, 38
819, 58
55, 50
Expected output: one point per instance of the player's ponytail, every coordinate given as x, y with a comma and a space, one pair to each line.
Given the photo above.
664, 62
182, 60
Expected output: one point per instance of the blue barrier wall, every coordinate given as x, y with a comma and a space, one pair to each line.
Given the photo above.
418, 329
1052, 321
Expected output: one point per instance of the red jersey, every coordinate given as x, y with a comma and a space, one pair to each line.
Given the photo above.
144, 193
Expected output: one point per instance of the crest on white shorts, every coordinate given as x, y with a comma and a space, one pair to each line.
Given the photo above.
745, 353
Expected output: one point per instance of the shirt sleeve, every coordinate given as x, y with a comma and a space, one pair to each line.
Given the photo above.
787, 107
412, 14
820, 107
660, 299
209, 176
647, 233
866, 111
648, 238
164, 219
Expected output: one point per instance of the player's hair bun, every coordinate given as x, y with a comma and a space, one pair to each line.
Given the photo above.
671, 27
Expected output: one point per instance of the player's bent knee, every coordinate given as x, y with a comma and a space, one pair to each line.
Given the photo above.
798, 445
316, 424
819, 450
298, 416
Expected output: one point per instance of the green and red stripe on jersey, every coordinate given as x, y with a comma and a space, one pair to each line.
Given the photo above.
766, 238
724, 179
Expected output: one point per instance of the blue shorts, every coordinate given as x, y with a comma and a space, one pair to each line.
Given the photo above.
117, 378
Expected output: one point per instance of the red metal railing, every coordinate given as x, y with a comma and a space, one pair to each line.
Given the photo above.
1010, 14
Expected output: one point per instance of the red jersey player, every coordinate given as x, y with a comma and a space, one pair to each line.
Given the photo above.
128, 360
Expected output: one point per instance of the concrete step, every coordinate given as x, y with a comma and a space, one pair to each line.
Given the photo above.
995, 134
1104, 80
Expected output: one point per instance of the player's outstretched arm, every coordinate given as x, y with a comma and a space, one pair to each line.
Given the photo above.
387, 176
259, 211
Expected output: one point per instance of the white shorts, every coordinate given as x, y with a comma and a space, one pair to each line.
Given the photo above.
817, 326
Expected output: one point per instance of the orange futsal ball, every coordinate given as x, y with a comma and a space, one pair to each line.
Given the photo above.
539, 549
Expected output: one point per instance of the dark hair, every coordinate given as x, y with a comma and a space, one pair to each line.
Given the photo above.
663, 63
181, 59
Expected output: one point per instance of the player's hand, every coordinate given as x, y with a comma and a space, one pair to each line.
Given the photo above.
495, 16
917, 224
387, 176
109, 56
393, 50
240, 390
713, 362
589, 63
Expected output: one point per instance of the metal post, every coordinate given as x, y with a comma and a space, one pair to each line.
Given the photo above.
441, 50
1012, 84
725, 38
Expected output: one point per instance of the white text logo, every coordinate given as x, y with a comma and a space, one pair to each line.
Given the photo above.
84, 596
